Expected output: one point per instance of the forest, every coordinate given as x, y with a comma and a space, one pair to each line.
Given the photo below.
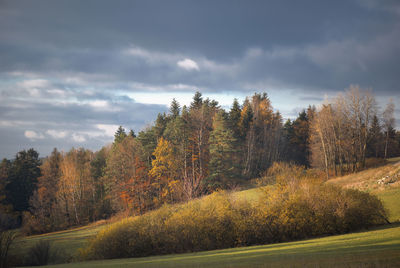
190, 152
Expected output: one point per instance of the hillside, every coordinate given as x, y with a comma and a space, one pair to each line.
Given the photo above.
383, 181
378, 248
68, 242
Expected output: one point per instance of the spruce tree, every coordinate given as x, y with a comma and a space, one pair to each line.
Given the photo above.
119, 135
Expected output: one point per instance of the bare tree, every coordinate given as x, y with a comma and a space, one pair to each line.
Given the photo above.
340, 131
388, 122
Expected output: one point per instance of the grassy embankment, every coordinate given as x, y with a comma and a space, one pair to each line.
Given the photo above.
379, 247
367, 180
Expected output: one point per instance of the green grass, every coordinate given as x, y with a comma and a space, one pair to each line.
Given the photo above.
377, 248
391, 200
66, 242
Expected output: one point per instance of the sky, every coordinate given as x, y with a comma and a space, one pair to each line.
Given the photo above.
72, 71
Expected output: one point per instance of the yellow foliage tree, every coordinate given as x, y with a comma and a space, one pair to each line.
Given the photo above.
165, 171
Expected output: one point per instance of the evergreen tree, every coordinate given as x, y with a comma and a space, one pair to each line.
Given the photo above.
197, 101
132, 133
375, 138
388, 125
148, 140
234, 118
160, 125
119, 135
246, 117
300, 138
98, 165
288, 133
224, 170
175, 108
24, 173
7, 219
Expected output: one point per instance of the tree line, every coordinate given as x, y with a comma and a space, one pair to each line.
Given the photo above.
188, 152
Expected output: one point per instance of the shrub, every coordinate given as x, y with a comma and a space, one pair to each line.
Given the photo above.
6, 240
39, 254
289, 210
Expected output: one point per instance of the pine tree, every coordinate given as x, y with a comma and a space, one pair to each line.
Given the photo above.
119, 135
175, 108
388, 125
224, 170
24, 173
132, 134
160, 125
375, 138
234, 119
5, 169
197, 101
300, 138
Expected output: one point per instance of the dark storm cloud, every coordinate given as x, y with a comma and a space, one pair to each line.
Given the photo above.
74, 64
328, 44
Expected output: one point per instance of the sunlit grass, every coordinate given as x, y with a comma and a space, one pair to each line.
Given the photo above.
377, 248
391, 200
65, 242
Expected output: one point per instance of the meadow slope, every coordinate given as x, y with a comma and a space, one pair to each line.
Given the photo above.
374, 246
377, 248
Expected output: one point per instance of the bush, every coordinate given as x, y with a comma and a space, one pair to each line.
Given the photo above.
39, 254
6, 240
289, 210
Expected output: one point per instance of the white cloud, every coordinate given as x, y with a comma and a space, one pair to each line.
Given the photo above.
78, 137
32, 135
56, 133
34, 92
108, 129
34, 83
188, 64
99, 104
57, 92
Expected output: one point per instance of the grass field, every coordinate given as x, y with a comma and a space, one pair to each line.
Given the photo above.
391, 200
377, 248
374, 248
66, 242
367, 180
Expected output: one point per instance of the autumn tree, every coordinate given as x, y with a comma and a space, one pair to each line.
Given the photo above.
340, 131
126, 180
165, 171
200, 125
76, 187
263, 135
44, 205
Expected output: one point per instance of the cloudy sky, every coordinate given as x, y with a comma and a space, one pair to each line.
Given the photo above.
72, 71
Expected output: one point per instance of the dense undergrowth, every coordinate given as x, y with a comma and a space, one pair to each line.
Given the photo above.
292, 209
